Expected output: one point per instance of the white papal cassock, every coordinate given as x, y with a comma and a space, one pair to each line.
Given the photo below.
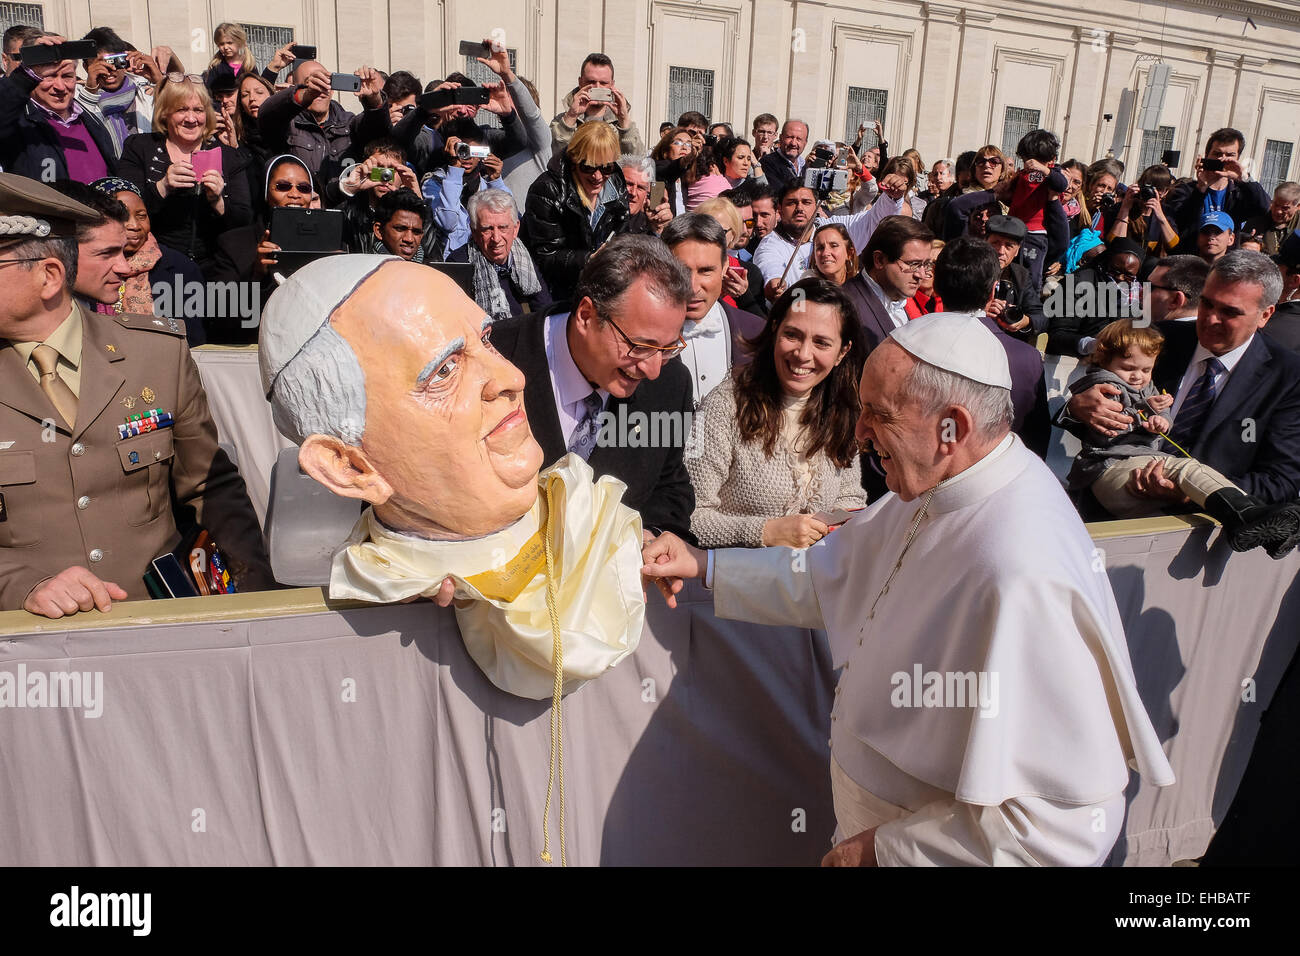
1000, 593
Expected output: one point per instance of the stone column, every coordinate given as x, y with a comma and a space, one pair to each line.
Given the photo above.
974, 82
1119, 76
932, 123
1083, 109
1246, 110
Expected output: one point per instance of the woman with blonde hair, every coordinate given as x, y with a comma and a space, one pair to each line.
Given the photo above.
193, 187
232, 55
573, 208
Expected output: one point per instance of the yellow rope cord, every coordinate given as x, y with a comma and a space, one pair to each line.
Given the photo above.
557, 655
1186, 453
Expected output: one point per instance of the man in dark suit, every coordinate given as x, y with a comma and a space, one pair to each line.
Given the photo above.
715, 332
965, 275
1249, 429
785, 163
890, 275
600, 380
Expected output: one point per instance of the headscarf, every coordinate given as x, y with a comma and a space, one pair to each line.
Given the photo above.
135, 296
276, 161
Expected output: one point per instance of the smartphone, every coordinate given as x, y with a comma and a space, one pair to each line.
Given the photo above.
1170, 158
345, 82
601, 94
301, 51
174, 577
1212, 165
42, 54
740, 272
472, 48
657, 191
461, 96
206, 159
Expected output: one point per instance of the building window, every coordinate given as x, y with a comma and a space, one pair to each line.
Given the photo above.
865, 107
263, 41
21, 15
1277, 163
1155, 144
480, 74
689, 89
1016, 123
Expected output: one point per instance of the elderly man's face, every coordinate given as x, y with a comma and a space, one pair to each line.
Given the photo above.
1006, 248
940, 177
794, 137
906, 441
494, 235
638, 189
58, 81
445, 423
1230, 313
1282, 209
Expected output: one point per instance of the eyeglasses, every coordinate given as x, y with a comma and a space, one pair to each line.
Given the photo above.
1166, 288
644, 350
182, 77
749, 223
609, 169
917, 265
284, 187
988, 161
8, 262
683, 142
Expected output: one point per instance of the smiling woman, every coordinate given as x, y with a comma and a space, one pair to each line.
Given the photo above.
193, 187
774, 452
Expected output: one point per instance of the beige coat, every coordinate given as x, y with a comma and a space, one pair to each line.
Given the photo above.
80, 498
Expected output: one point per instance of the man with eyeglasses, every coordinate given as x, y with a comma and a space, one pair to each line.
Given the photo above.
1174, 289
47, 134
603, 381
899, 252
14, 39
86, 500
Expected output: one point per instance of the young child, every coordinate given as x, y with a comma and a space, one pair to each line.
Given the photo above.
1124, 357
230, 43
1033, 195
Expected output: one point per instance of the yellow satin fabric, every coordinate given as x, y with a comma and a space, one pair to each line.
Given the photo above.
597, 560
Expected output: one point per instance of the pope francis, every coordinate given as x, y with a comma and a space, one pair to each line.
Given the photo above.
986, 712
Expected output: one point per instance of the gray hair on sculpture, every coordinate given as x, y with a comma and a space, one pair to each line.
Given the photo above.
321, 391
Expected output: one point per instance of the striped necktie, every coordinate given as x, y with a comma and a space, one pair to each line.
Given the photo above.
584, 437
1196, 406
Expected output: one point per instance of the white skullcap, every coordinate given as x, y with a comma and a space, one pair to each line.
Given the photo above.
959, 343
302, 306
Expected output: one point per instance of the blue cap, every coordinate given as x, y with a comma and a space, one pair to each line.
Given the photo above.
1219, 219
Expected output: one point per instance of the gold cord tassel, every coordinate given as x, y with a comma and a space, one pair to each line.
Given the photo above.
557, 657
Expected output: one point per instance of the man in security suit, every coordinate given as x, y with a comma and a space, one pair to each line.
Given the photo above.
86, 505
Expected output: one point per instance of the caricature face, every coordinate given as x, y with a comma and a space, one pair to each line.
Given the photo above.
445, 421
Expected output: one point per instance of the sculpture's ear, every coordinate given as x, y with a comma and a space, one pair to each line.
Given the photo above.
342, 468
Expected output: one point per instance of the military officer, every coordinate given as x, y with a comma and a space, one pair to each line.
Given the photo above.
84, 505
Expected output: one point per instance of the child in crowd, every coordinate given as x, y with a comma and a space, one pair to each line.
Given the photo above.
232, 56
1124, 357
1033, 194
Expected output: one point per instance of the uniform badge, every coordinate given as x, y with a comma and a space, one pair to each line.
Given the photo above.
111, 348
173, 324
158, 322
129, 402
135, 457
147, 395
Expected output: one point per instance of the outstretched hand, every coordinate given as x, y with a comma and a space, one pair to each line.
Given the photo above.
668, 560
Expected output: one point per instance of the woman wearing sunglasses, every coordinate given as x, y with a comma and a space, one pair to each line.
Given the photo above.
573, 208
247, 254
194, 187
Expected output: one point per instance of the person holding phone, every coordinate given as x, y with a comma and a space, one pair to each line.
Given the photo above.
595, 98
194, 187
774, 446
47, 134
1221, 185
308, 122
117, 86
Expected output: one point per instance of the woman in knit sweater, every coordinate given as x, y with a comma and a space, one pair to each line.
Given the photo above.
775, 445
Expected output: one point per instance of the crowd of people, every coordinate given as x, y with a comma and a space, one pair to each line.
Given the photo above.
740, 283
